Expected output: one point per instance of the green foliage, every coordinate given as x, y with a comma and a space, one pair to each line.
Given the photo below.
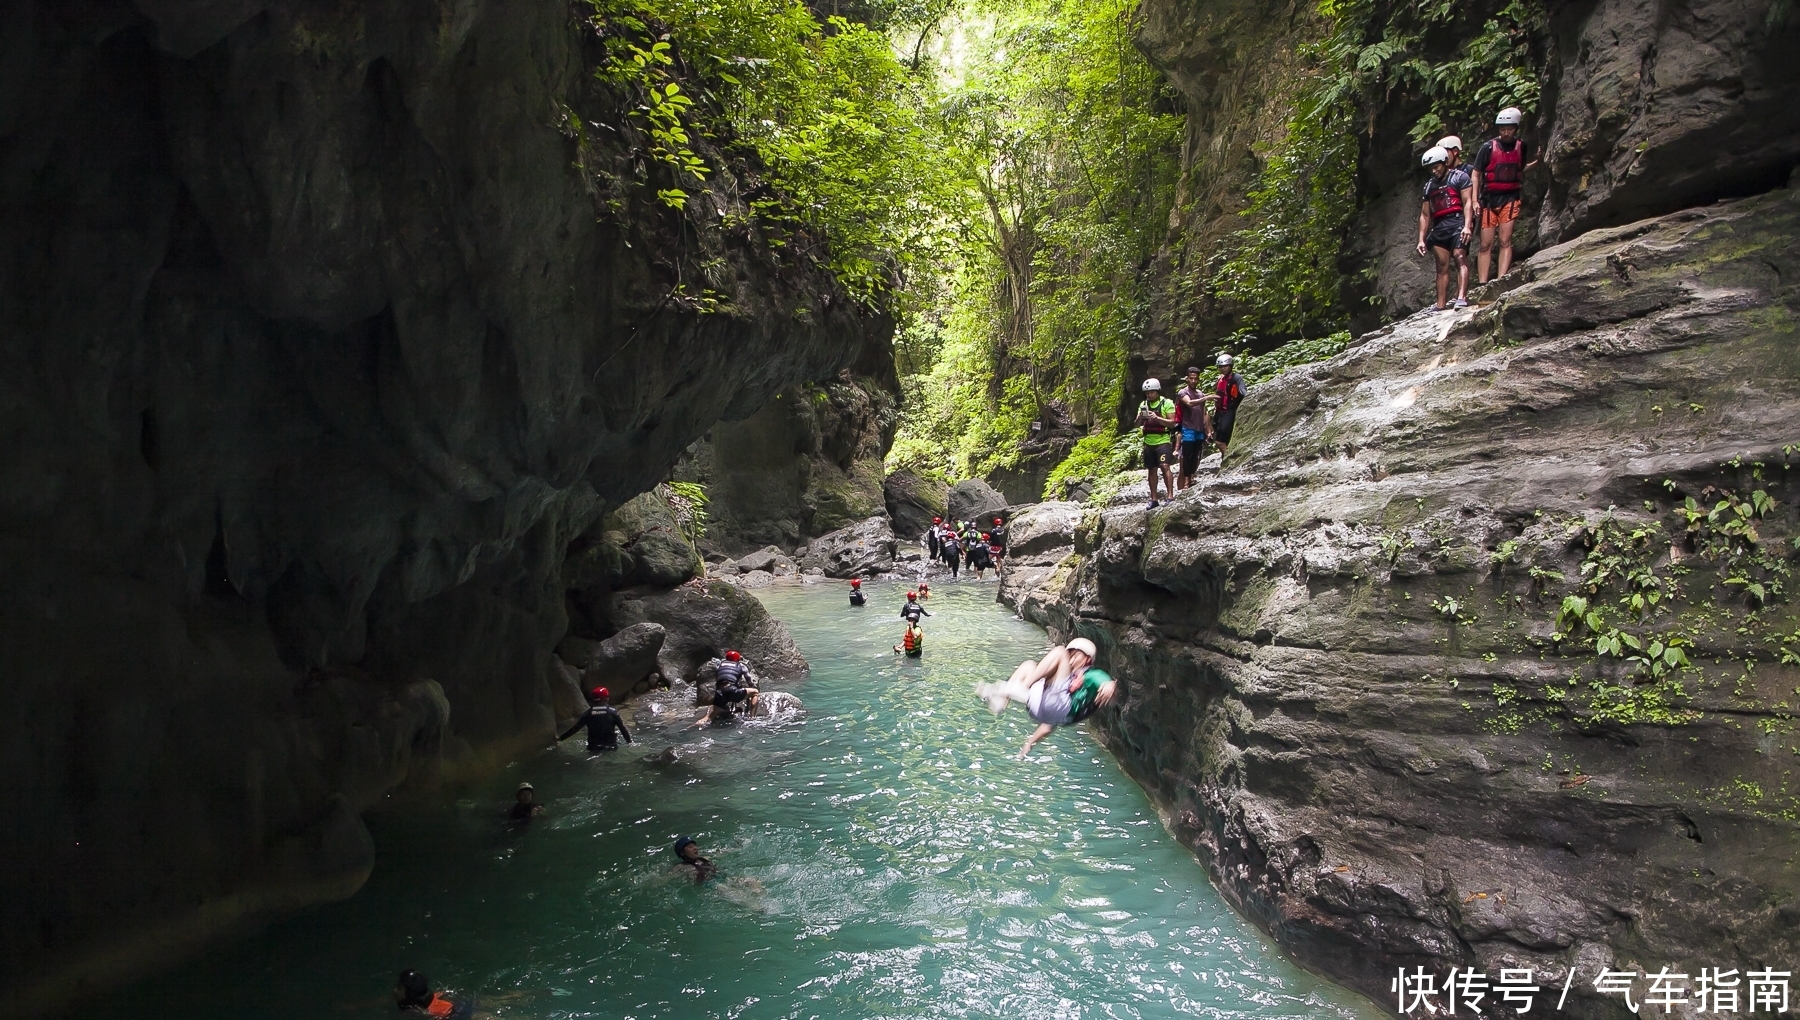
1094, 463
1067, 145
1257, 368
835, 120
687, 500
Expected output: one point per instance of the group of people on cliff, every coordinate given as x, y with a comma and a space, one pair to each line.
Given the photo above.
1459, 200
1177, 431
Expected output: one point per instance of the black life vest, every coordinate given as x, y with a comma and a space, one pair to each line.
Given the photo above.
1505, 167
730, 674
1445, 199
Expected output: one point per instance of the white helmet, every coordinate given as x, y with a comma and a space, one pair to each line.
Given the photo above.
1224, 361
1152, 384
1433, 156
1450, 142
1084, 646
1510, 115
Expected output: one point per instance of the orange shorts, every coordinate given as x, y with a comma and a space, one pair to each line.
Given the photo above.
1491, 218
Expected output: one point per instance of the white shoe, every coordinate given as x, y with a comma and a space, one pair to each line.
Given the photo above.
994, 695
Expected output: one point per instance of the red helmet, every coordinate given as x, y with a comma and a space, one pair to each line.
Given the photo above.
924, 587
985, 538
599, 694
937, 520
911, 595
732, 656
856, 582
996, 520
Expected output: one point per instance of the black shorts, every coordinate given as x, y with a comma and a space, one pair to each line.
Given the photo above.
1446, 233
1190, 454
1156, 456
1222, 423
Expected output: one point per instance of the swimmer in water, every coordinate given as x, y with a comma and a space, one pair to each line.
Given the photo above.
1061, 689
913, 642
525, 807
924, 591
413, 994
689, 853
856, 593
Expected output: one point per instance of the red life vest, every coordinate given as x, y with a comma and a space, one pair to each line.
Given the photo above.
910, 641
1445, 200
439, 1006
1505, 166
1230, 393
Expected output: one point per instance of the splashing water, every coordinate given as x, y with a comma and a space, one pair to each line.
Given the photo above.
883, 856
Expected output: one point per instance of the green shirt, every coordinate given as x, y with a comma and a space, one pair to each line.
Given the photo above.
1163, 407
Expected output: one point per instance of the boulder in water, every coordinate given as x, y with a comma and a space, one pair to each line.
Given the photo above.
769, 558
975, 500
912, 501
863, 549
626, 658
703, 620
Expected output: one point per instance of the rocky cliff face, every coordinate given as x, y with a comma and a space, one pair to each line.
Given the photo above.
809, 462
1402, 674
326, 329
1649, 106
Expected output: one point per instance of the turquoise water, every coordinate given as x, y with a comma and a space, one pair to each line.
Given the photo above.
885, 857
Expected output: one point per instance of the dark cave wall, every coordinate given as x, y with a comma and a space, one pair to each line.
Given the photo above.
325, 331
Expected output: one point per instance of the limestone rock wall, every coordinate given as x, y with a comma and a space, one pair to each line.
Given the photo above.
326, 329
1353, 684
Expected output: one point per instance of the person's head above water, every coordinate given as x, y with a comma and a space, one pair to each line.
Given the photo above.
856, 582
686, 848
599, 695
412, 989
525, 793
733, 656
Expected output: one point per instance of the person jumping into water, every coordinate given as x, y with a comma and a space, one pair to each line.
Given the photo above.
1061, 689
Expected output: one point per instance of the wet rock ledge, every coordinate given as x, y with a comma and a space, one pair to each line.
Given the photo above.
1358, 688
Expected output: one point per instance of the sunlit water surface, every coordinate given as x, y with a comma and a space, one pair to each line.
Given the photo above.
908, 867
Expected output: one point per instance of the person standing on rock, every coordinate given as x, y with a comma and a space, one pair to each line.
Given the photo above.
933, 536
600, 721
1446, 212
731, 688
1500, 166
1228, 393
1461, 178
912, 610
1157, 416
1196, 425
1061, 689
856, 593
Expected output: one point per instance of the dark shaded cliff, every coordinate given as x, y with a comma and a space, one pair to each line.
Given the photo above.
326, 328
1358, 686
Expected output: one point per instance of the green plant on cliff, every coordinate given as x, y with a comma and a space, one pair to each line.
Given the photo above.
821, 106
1095, 463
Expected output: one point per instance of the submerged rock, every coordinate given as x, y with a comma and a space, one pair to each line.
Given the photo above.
1357, 685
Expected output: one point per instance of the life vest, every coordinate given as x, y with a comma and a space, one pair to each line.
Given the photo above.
439, 1006
1445, 199
911, 641
1161, 409
730, 674
1230, 393
1505, 167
